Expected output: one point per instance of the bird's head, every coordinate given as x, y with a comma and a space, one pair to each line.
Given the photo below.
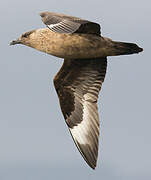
24, 39
39, 39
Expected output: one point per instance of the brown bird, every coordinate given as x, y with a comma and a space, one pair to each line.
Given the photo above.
81, 76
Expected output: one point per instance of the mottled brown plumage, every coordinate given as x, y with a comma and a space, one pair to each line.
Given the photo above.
81, 76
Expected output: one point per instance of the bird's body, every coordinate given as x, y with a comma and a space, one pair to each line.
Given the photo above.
80, 79
66, 45
73, 46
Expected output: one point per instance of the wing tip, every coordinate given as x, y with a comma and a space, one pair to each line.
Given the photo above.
43, 14
91, 164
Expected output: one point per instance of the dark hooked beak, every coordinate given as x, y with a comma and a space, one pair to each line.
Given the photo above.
18, 41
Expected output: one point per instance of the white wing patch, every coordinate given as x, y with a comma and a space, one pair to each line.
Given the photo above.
64, 27
88, 128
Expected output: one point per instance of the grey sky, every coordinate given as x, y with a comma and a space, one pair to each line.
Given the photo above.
34, 140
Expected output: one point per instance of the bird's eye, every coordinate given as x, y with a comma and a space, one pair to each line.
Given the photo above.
25, 35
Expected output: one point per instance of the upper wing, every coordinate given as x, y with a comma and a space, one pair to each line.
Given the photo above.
68, 24
78, 84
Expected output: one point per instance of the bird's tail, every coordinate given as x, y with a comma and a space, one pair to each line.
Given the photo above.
123, 48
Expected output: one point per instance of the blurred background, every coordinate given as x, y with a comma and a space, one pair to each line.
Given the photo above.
34, 141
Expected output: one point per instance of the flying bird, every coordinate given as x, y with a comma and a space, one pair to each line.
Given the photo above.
84, 50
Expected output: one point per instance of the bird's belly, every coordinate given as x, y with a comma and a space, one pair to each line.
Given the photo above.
75, 46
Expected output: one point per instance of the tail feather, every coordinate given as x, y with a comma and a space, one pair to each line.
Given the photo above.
123, 48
